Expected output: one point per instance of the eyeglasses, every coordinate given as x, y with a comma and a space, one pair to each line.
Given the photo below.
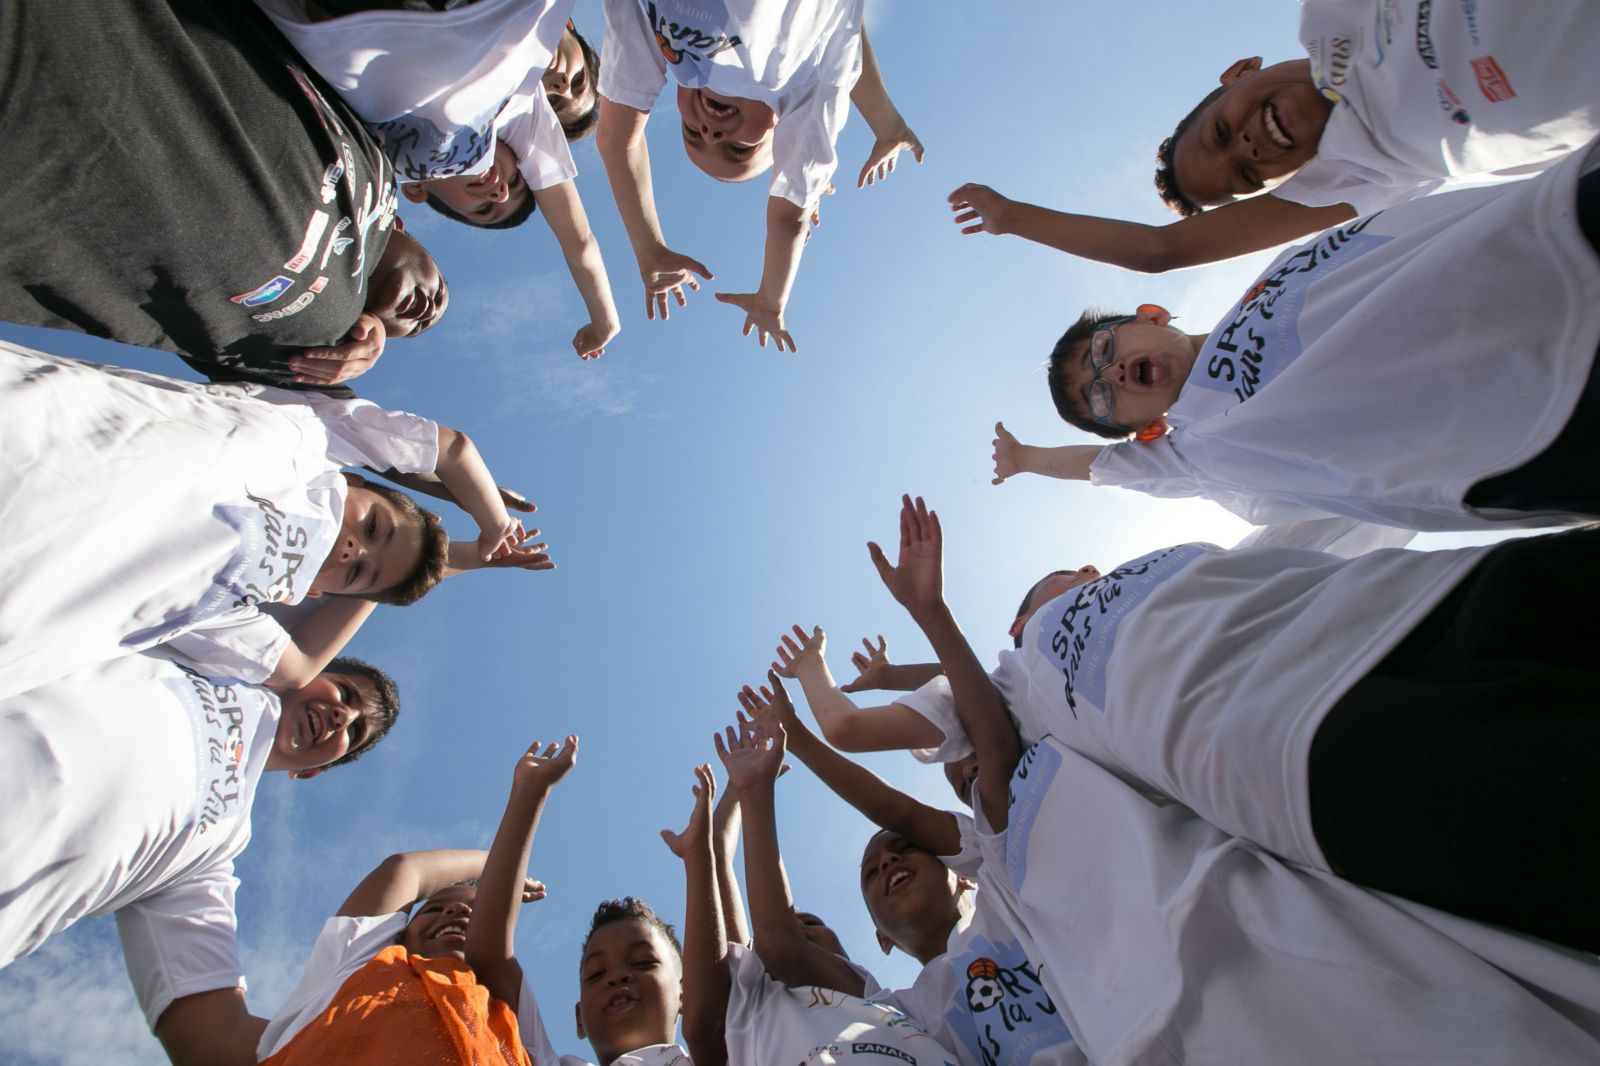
1102, 349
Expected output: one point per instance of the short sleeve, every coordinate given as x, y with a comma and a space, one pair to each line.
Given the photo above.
344, 945
182, 940
530, 1026
805, 144
1324, 182
1344, 537
937, 704
632, 69
244, 646
1152, 467
530, 128
360, 433
748, 988
969, 859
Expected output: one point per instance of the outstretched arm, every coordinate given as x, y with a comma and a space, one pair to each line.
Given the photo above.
875, 671
563, 209
881, 803
726, 821
621, 143
317, 640
786, 240
430, 485
405, 877
706, 980
893, 136
1224, 232
1070, 462
462, 470
850, 728
491, 935
210, 1029
753, 757
917, 583
463, 556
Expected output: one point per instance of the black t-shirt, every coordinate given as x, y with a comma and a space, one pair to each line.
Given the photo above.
179, 180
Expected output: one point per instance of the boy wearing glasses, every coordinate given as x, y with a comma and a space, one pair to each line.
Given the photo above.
1429, 367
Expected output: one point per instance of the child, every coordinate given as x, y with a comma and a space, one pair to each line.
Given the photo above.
759, 86
1395, 99
130, 791
374, 970
222, 502
1376, 372
1341, 713
630, 988
474, 106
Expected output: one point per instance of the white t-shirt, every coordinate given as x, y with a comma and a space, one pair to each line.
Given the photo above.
1202, 674
1426, 90
1165, 940
654, 1055
129, 790
984, 997
344, 946
138, 509
799, 57
769, 1022
432, 83
1383, 368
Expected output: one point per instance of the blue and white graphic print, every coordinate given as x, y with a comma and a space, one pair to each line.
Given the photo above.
690, 35
219, 716
1030, 784
1079, 628
278, 557
1001, 1014
421, 151
1261, 338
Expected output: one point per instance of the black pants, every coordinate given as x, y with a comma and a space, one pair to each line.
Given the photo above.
1566, 475
1464, 771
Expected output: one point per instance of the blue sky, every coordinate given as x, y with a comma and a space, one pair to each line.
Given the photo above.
701, 494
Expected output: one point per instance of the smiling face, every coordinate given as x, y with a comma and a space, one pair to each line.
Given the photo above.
439, 926
1149, 362
379, 546
728, 137
914, 899
1265, 125
569, 84
479, 199
322, 723
630, 985
406, 292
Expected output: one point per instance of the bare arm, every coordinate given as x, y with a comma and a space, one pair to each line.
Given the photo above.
404, 878
491, 935
210, 1029
463, 472
1070, 462
875, 671
725, 824
786, 240
846, 726
889, 129
317, 640
706, 981
563, 209
1224, 232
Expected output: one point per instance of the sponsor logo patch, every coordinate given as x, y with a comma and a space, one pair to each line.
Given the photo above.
266, 293
308, 243
295, 308
1492, 81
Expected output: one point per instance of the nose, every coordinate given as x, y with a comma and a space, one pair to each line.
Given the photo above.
458, 907
1245, 141
350, 550
556, 81
1091, 571
619, 977
499, 192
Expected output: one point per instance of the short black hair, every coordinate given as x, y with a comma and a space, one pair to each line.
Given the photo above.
1022, 609
380, 717
429, 570
1069, 401
1167, 186
578, 128
630, 909
523, 212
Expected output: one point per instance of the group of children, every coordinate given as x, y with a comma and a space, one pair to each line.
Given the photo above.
1312, 798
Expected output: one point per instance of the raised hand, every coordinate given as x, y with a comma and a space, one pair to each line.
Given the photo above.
697, 834
916, 581
770, 707
666, 273
752, 756
979, 209
350, 358
522, 556
885, 150
532, 891
800, 651
761, 315
870, 668
542, 769
590, 341
500, 539
1007, 454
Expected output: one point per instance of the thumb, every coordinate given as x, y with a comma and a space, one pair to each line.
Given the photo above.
879, 560
698, 267
734, 298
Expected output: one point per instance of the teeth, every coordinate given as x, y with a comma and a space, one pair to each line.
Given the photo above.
899, 876
1275, 131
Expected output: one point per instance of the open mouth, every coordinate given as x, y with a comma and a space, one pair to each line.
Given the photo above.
314, 724
1274, 127
1146, 372
716, 108
622, 1001
896, 881
456, 930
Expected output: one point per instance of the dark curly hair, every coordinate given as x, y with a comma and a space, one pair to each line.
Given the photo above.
1167, 186
631, 909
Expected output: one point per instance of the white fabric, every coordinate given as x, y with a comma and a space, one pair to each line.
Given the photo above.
654, 1055
534, 134
129, 790
1382, 369
346, 944
769, 1022
1166, 941
432, 83
137, 508
799, 57
983, 998
1426, 90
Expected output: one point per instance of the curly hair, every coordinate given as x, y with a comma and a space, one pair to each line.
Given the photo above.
1068, 395
631, 909
1167, 185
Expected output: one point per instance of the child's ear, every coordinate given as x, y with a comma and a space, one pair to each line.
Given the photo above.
1154, 431
1240, 70
884, 942
577, 1017
354, 479
1154, 314
413, 191
305, 775
1018, 626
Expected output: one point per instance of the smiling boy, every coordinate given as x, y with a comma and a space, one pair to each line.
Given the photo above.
133, 787
630, 988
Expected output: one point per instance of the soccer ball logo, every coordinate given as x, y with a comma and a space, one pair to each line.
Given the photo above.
983, 985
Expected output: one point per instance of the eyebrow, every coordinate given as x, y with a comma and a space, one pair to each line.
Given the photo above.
376, 570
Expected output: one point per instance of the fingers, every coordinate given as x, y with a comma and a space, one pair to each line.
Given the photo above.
881, 561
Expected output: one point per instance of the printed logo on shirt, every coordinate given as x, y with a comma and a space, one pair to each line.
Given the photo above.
336, 243
330, 181
217, 714
1451, 103
1425, 49
1492, 81
1262, 338
275, 546
301, 302
1031, 781
266, 293
881, 1049
1079, 629
1002, 1014
688, 32
1331, 59
308, 243
421, 151
318, 285
1469, 8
